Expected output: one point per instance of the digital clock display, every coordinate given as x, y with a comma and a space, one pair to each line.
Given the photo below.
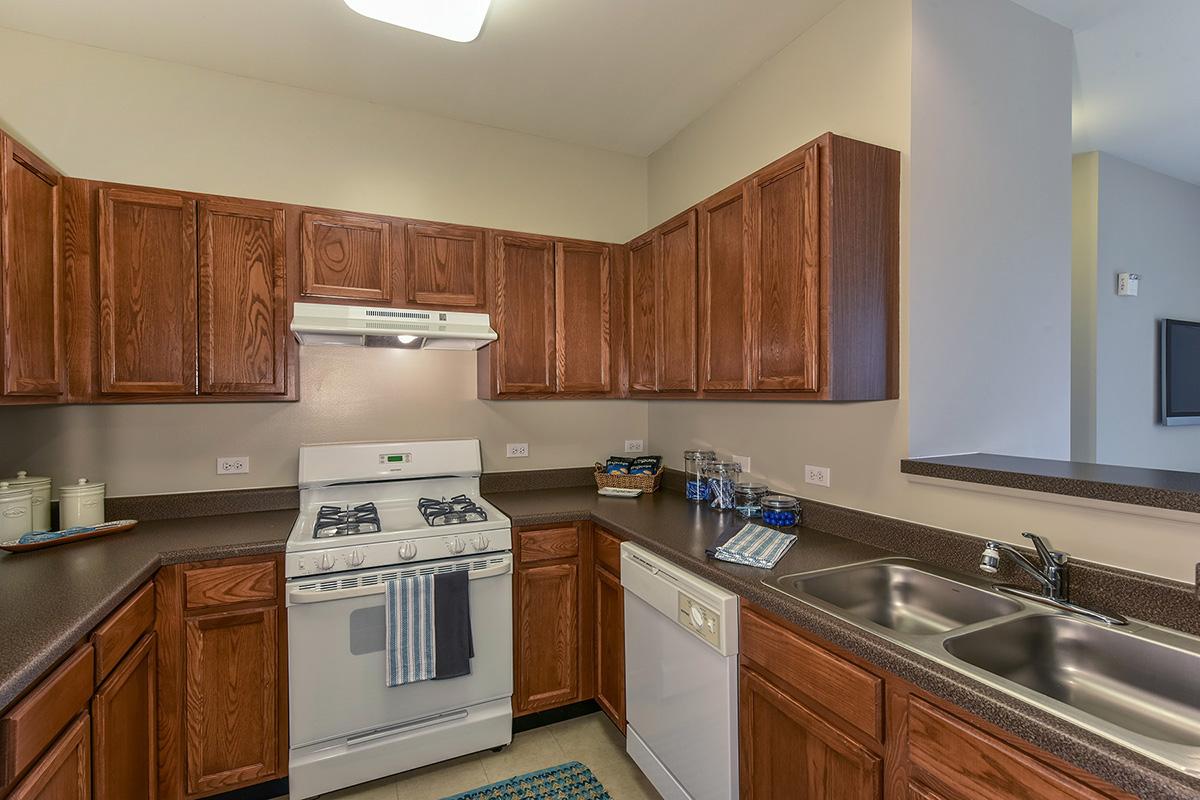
395, 458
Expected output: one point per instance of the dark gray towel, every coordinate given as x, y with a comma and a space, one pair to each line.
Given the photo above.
452, 625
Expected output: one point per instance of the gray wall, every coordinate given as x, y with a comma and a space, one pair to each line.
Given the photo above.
1147, 223
990, 277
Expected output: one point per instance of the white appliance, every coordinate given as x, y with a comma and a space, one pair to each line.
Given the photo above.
321, 323
681, 678
371, 512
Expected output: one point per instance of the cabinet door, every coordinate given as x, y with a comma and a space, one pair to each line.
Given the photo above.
610, 647
676, 304
29, 263
523, 269
345, 256
445, 266
230, 695
582, 280
787, 752
725, 247
147, 292
547, 631
786, 294
65, 771
125, 745
643, 337
243, 301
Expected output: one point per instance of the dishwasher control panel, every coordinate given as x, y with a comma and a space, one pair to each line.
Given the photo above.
700, 620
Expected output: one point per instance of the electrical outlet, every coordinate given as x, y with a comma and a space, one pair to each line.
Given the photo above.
233, 465
635, 446
518, 450
742, 461
818, 475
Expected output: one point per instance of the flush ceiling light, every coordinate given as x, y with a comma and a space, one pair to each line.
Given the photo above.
456, 20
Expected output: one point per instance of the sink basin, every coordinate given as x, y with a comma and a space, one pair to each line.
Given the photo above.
901, 596
1142, 685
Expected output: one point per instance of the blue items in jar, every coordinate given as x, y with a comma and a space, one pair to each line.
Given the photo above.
780, 511
722, 475
695, 462
747, 498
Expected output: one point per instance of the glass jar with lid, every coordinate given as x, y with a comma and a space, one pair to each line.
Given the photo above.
780, 511
722, 475
695, 462
747, 498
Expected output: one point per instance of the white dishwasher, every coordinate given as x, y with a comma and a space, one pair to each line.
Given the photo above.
681, 678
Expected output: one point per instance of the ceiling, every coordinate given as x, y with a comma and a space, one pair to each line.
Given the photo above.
623, 75
1137, 95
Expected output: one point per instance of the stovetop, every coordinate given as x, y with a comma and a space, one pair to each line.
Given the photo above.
333, 520
455, 511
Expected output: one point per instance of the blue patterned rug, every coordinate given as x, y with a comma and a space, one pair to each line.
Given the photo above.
571, 781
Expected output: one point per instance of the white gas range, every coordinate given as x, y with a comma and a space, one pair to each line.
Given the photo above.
370, 513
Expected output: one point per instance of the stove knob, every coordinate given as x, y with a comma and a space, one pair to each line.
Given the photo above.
456, 545
326, 562
408, 551
482, 542
357, 558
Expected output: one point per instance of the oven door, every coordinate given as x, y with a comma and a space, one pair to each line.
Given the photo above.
336, 634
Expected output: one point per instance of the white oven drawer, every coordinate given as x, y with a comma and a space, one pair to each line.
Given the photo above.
336, 634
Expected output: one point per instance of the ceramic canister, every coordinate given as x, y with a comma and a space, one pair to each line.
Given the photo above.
80, 504
16, 511
40, 487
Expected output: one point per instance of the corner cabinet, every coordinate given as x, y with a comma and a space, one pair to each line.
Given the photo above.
31, 364
662, 308
610, 627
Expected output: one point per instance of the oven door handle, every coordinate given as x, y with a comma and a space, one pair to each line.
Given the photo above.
319, 596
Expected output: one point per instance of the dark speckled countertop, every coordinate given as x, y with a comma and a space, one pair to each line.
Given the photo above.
51, 599
667, 524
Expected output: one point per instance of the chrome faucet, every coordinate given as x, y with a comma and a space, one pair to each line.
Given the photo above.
1051, 576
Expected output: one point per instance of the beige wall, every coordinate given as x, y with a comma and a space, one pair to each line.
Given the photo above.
104, 115
851, 73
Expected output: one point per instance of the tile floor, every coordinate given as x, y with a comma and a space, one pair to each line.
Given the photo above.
592, 740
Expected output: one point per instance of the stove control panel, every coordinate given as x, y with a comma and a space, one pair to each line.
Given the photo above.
374, 555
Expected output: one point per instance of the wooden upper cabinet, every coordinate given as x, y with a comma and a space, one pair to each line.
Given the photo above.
676, 304
31, 366
345, 256
445, 266
643, 339
786, 288
243, 300
582, 286
726, 247
523, 314
147, 277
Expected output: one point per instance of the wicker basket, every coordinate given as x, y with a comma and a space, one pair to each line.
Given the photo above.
647, 483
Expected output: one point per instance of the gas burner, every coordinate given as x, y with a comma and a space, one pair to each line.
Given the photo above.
338, 521
455, 511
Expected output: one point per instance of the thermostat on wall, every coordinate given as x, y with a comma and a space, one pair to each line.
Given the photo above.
1127, 284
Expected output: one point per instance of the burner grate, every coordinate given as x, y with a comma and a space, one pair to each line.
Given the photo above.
339, 521
455, 511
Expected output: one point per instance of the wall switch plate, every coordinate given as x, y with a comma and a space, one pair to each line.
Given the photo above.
1127, 284
817, 475
742, 461
233, 465
635, 446
518, 450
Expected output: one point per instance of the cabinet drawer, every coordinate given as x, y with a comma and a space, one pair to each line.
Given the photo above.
122, 629
851, 693
608, 552
549, 544
228, 584
951, 754
29, 726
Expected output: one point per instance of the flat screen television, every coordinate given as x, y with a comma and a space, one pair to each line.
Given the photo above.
1180, 371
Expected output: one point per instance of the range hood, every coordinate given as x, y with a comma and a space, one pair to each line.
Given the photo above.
410, 329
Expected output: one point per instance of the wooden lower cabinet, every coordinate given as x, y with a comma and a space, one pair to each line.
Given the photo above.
610, 646
788, 752
124, 732
65, 771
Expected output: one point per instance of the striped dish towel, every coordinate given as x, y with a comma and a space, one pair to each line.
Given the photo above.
410, 630
756, 546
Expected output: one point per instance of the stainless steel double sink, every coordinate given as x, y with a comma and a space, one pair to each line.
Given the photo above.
1138, 684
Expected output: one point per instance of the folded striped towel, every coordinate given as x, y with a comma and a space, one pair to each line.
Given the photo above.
410, 631
755, 546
